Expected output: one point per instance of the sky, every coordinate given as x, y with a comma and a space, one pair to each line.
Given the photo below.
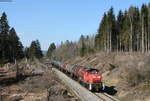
59, 20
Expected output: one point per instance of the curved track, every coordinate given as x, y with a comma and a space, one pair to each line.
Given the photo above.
80, 91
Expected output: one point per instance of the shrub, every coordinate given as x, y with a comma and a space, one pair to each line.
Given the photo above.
134, 77
139, 73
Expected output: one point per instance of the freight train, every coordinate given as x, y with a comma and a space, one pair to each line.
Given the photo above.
88, 77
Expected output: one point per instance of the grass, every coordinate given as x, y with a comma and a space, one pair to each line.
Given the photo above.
38, 90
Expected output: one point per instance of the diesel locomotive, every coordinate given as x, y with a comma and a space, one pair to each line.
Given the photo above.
89, 77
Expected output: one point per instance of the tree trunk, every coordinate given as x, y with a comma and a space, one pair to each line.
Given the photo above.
137, 43
131, 29
117, 44
148, 36
145, 39
107, 42
143, 36
120, 44
110, 42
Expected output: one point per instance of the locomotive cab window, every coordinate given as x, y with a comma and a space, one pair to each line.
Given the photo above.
93, 71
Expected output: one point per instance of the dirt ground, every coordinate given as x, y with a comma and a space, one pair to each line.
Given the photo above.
44, 87
116, 68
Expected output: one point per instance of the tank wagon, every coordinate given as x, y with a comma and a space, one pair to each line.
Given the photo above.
89, 77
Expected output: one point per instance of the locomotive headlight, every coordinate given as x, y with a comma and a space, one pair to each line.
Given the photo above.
98, 76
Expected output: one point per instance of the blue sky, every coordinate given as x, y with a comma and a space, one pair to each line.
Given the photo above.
59, 20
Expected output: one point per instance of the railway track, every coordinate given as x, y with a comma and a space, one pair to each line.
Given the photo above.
81, 92
105, 97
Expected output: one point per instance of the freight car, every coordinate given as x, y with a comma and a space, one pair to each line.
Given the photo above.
88, 77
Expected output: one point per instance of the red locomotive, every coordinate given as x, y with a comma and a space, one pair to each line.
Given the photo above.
88, 77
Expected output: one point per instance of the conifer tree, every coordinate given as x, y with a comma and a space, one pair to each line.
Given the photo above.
83, 46
16, 47
149, 27
39, 51
4, 51
35, 50
112, 33
102, 36
144, 26
26, 52
51, 48
120, 20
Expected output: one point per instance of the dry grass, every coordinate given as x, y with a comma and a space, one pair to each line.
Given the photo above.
128, 72
35, 88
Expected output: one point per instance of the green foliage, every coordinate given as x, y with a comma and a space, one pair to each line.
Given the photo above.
15, 45
11, 48
129, 31
100, 38
68, 49
26, 52
4, 38
34, 50
51, 48
83, 46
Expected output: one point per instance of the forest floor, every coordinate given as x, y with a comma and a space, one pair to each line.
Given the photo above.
120, 73
42, 87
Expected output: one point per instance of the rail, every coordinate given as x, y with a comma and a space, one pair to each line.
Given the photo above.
81, 92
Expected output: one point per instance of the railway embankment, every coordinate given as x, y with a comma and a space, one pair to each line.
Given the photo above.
81, 92
125, 74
